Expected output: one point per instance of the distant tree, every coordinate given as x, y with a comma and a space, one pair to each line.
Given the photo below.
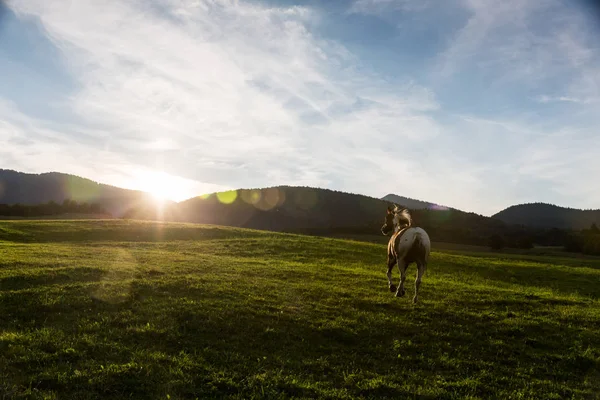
524, 242
594, 228
66, 205
496, 242
591, 244
574, 243
552, 237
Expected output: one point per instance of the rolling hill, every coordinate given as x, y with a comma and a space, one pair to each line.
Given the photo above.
411, 203
322, 212
302, 210
281, 208
32, 189
542, 215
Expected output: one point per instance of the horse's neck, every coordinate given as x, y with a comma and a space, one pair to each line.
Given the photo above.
400, 229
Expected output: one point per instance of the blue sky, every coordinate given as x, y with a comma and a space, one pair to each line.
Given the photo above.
474, 104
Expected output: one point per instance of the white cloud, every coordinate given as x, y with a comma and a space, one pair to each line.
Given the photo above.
535, 163
221, 94
35, 146
566, 99
225, 92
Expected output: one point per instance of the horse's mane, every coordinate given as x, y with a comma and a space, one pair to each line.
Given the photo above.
405, 214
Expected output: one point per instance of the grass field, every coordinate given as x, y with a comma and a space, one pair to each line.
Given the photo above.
118, 309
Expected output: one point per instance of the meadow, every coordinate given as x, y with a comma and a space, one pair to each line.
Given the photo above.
121, 309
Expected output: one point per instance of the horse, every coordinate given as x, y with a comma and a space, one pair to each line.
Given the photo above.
407, 244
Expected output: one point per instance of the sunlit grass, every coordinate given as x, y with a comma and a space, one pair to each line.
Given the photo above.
116, 309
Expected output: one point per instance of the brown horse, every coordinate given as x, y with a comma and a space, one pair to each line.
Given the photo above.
408, 244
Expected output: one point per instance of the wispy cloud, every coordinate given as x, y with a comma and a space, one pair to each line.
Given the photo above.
534, 163
378, 7
497, 34
233, 94
551, 99
535, 43
226, 86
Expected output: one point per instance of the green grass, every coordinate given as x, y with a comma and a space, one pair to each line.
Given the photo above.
118, 309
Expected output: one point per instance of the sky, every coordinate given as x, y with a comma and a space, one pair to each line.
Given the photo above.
472, 104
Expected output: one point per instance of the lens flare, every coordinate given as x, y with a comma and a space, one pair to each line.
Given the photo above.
251, 196
115, 285
272, 197
75, 188
227, 197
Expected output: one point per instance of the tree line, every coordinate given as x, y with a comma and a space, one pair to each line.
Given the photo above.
51, 208
327, 212
587, 241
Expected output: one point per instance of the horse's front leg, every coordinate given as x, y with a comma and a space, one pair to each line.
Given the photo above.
391, 263
402, 267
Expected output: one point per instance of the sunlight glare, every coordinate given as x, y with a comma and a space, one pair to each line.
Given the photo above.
163, 187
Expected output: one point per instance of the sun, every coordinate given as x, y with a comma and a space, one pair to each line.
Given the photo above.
163, 187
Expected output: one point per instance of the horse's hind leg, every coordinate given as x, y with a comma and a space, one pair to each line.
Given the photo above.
391, 263
421, 266
402, 265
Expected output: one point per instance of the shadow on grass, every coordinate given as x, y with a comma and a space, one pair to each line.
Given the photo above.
542, 276
60, 276
169, 338
75, 231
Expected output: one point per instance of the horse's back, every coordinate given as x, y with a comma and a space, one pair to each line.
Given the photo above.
419, 237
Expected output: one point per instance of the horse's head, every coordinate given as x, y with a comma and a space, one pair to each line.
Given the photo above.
396, 218
388, 225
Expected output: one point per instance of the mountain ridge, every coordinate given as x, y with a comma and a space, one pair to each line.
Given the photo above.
38, 188
545, 215
413, 203
31, 188
303, 209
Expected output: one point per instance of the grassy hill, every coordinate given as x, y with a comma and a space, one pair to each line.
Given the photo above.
128, 309
544, 215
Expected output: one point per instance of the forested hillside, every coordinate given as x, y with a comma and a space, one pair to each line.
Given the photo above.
301, 210
36, 189
323, 211
549, 216
410, 203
